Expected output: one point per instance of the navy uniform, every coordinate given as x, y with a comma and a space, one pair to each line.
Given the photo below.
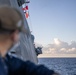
19, 67
3, 67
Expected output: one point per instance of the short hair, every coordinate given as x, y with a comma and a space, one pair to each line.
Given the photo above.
10, 19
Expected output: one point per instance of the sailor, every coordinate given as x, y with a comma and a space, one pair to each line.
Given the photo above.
11, 22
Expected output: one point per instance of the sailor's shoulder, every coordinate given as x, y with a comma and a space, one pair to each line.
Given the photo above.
12, 58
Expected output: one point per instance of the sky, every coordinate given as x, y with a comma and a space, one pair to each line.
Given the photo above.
53, 22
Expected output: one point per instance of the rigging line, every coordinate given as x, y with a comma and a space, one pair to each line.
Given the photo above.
31, 23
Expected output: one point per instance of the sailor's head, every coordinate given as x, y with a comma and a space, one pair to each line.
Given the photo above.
11, 23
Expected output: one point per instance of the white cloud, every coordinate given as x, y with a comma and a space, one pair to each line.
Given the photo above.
60, 47
38, 45
57, 41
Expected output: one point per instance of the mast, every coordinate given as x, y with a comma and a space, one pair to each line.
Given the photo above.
26, 49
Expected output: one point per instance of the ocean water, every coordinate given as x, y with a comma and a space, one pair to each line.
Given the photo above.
64, 66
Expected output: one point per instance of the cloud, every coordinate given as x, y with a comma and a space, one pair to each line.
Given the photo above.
60, 47
38, 44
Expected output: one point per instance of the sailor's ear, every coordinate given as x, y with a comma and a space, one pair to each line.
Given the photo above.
15, 36
12, 36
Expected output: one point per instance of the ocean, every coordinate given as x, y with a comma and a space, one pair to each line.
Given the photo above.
64, 66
